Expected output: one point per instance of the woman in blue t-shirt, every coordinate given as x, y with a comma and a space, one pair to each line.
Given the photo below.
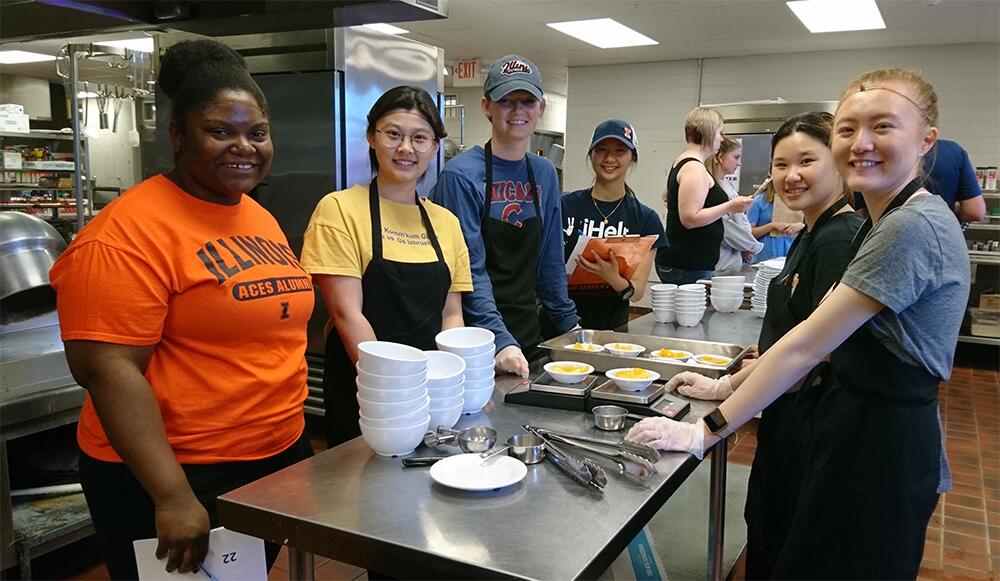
777, 237
609, 208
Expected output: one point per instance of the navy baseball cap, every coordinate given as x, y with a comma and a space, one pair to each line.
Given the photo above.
512, 73
615, 129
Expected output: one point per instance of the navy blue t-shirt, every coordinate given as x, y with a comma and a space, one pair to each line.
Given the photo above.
950, 173
604, 309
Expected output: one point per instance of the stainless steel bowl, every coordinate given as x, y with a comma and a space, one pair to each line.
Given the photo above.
476, 440
28, 248
609, 417
527, 448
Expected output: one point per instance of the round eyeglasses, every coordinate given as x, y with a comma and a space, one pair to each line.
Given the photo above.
420, 142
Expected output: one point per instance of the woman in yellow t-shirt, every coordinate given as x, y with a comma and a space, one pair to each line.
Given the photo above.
390, 265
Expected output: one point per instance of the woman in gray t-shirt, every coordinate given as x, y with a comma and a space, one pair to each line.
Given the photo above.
888, 332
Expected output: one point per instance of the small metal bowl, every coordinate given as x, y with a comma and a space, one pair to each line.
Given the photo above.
477, 440
527, 448
609, 417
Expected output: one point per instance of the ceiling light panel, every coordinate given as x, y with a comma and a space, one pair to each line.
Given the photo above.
603, 33
837, 15
15, 57
144, 44
386, 28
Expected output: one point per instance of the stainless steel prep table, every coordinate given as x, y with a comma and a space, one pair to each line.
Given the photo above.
353, 506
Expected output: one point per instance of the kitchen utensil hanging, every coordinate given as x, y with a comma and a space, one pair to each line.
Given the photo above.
102, 106
119, 95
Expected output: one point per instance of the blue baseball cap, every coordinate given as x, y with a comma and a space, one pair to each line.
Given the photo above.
615, 129
512, 73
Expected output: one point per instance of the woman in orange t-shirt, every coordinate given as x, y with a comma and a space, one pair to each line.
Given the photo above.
184, 315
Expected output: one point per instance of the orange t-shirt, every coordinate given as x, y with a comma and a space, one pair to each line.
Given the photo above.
224, 300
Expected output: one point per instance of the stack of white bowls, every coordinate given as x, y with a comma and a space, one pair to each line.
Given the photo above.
765, 272
476, 347
392, 396
689, 304
727, 293
446, 387
663, 302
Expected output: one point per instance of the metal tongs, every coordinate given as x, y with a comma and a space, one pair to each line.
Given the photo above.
583, 470
629, 464
650, 454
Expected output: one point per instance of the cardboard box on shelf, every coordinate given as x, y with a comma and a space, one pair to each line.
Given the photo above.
10, 160
985, 323
989, 302
991, 179
14, 122
11, 108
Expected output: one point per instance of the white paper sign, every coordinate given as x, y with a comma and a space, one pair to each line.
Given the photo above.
231, 556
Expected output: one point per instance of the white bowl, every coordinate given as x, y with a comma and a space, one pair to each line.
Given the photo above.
624, 349
665, 302
477, 373
443, 367
663, 287
664, 315
725, 305
689, 319
439, 393
407, 418
713, 360
736, 279
476, 399
675, 354
446, 402
386, 358
389, 409
480, 359
390, 381
394, 441
464, 340
474, 384
585, 347
695, 286
632, 384
446, 417
568, 376
389, 395
691, 311
727, 292
451, 384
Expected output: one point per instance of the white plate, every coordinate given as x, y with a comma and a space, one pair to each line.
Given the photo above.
470, 472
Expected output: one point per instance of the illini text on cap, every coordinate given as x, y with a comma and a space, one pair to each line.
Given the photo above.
515, 67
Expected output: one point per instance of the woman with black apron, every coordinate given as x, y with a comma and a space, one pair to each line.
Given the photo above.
874, 454
609, 209
806, 177
408, 298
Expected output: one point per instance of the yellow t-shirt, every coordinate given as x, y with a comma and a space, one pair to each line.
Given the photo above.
339, 237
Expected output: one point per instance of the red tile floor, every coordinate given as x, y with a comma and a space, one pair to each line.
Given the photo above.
963, 540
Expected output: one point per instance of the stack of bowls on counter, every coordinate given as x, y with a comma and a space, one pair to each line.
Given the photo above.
392, 396
446, 388
765, 272
663, 302
727, 293
689, 304
476, 347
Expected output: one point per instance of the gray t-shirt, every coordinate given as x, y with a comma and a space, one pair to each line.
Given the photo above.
914, 261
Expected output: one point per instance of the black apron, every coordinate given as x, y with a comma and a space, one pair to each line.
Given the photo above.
602, 309
779, 462
512, 263
872, 463
403, 303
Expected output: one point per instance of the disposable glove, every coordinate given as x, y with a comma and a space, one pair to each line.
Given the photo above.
665, 434
698, 386
511, 360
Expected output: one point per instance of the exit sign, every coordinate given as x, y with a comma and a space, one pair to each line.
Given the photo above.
467, 73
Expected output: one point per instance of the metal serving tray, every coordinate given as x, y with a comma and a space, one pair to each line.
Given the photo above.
604, 361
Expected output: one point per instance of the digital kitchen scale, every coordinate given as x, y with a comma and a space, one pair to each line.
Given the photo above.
609, 391
546, 383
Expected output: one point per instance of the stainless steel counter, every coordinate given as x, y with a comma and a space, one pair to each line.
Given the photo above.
353, 506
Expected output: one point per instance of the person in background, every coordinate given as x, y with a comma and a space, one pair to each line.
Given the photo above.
389, 265
696, 204
806, 179
737, 239
775, 236
950, 175
606, 209
874, 447
184, 314
507, 201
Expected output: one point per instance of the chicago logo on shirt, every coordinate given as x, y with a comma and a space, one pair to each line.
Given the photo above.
225, 258
514, 196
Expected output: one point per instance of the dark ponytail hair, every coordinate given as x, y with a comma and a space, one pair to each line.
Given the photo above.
408, 98
193, 72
